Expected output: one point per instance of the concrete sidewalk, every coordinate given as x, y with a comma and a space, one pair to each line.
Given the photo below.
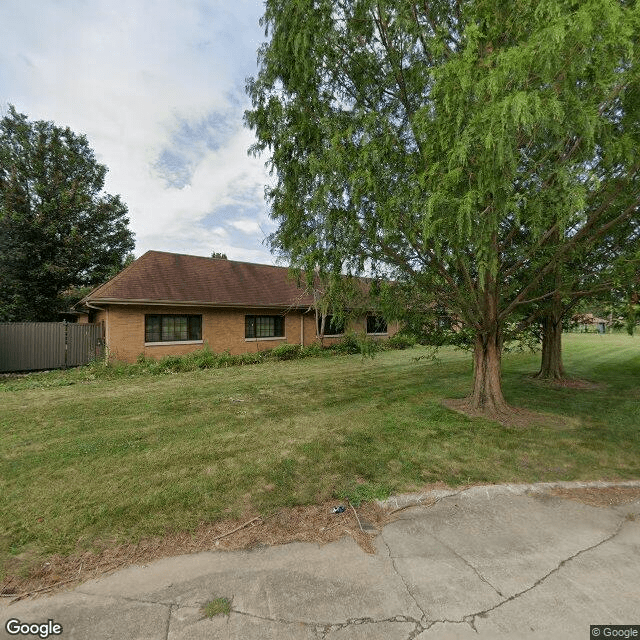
487, 562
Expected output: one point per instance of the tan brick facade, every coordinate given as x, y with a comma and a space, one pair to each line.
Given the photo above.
162, 283
223, 329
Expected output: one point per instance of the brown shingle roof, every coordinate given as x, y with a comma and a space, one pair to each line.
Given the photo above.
158, 276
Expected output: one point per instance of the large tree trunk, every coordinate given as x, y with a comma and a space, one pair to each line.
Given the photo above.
551, 366
487, 380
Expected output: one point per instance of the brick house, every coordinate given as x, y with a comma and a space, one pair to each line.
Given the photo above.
172, 304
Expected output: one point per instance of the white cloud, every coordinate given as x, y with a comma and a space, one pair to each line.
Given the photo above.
246, 226
129, 74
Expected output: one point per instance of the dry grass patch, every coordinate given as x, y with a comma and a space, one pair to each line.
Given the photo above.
316, 524
516, 417
600, 496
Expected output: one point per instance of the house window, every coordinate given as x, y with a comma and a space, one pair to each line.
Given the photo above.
332, 326
263, 326
165, 328
376, 324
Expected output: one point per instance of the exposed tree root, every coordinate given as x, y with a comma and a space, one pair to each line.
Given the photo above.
507, 415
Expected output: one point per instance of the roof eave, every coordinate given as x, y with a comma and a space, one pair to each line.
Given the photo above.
194, 303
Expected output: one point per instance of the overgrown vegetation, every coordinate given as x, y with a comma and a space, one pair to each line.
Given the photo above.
206, 359
102, 461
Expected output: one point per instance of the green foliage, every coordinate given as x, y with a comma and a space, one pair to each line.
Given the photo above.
286, 352
356, 494
217, 607
483, 155
58, 230
167, 454
312, 351
349, 344
205, 358
368, 347
631, 313
401, 341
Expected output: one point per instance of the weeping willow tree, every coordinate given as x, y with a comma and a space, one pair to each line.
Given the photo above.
449, 144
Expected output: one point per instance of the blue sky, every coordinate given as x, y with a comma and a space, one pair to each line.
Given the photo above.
157, 86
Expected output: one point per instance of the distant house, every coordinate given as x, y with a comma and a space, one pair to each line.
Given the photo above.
172, 304
585, 322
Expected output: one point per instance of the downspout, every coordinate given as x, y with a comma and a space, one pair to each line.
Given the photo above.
301, 329
107, 336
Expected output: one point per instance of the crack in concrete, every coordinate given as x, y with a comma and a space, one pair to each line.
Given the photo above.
131, 599
274, 619
404, 582
424, 624
418, 502
471, 618
420, 627
463, 621
457, 555
166, 633
327, 628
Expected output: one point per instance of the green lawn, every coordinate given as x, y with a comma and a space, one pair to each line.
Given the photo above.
84, 461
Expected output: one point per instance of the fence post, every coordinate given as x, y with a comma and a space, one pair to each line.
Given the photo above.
66, 343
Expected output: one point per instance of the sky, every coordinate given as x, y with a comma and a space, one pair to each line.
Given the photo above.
157, 86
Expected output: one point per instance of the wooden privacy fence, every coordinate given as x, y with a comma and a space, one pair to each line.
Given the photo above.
28, 346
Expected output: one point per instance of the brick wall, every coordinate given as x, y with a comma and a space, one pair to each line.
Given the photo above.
222, 330
358, 326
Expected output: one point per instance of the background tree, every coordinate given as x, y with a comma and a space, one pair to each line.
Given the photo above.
606, 262
219, 255
58, 231
447, 143
608, 267
633, 300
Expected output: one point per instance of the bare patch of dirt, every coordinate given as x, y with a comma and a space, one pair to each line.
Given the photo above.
600, 496
314, 523
569, 383
514, 417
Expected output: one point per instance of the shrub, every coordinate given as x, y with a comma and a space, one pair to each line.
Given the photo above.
204, 358
224, 359
348, 345
250, 358
286, 352
177, 364
368, 346
207, 359
400, 341
312, 351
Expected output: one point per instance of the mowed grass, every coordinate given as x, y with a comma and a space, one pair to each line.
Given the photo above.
107, 461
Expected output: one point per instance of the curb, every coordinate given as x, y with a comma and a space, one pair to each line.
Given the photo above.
404, 501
